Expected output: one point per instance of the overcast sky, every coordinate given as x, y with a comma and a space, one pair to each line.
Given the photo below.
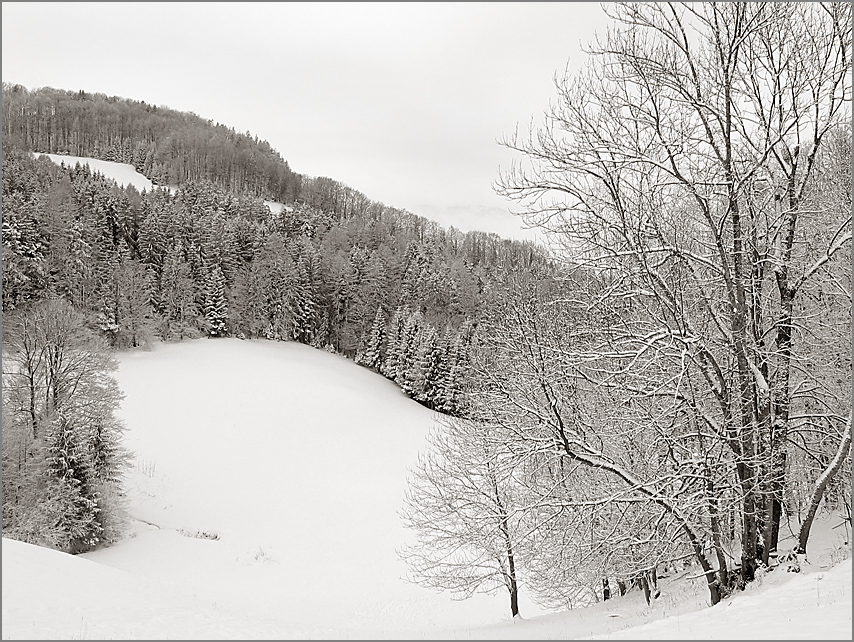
402, 101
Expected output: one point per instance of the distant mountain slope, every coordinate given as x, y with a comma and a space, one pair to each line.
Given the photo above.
168, 147
165, 145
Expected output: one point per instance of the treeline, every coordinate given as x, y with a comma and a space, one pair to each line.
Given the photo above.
167, 146
208, 262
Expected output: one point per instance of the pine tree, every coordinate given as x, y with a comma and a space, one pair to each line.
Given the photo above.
435, 372
127, 304
216, 307
63, 418
408, 347
415, 379
371, 357
176, 296
413, 276
456, 373
67, 461
305, 299
391, 364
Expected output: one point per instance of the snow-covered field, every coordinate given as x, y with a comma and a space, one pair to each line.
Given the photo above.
295, 460
123, 173
126, 174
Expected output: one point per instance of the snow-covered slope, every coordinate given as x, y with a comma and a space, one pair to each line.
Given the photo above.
126, 174
265, 489
275, 207
297, 460
122, 173
813, 605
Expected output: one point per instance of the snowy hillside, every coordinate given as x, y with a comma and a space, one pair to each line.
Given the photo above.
126, 174
123, 173
265, 488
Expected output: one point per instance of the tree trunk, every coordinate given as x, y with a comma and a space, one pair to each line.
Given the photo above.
504, 527
511, 566
645, 586
514, 595
821, 485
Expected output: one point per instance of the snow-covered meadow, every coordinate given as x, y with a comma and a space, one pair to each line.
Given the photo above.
125, 174
265, 488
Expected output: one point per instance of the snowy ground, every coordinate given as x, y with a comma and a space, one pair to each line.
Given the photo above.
123, 173
126, 174
275, 207
296, 461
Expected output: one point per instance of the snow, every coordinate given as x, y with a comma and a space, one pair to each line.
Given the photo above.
126, 174
295, 460
814, 605
275, 207
123, 173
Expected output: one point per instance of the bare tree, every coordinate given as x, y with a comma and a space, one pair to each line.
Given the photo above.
460, 503
821, 484
677, 167
615, 479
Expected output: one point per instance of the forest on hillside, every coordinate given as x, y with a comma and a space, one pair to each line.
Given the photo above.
670, 386
167, 146
106, 266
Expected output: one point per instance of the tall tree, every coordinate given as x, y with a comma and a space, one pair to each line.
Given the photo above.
175, 296
216, 305
372, 355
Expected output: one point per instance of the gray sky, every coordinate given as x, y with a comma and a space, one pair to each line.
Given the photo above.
401, 101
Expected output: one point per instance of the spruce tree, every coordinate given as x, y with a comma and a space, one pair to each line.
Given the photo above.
216, 308
456, 373
435, 372
391, 364
371, 356
176, 296
415, 382
59, 410
408, 347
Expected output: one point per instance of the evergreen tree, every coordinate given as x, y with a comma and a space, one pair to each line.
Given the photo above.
127, 305
216, 307
176, 296
372, 356
305, 301
408, 348
391, 364
435, 372
415, 379
456, 374
62, 487
23, 251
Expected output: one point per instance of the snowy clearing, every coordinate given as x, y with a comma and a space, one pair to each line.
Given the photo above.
275, 207
123, 173
266, 483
